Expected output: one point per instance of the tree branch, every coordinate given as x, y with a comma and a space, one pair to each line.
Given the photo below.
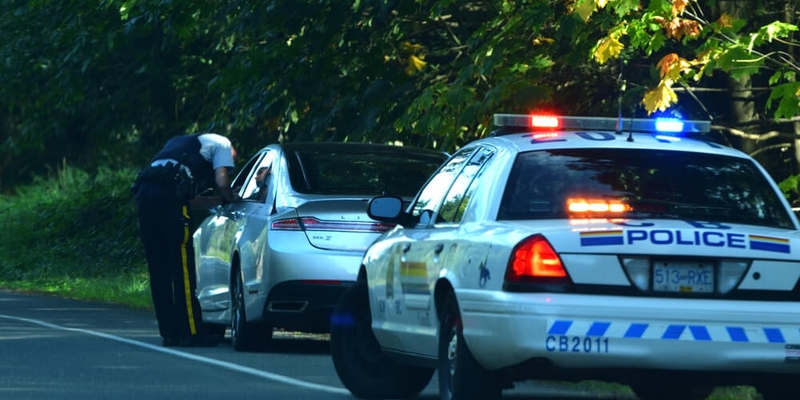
771, 147
758, 137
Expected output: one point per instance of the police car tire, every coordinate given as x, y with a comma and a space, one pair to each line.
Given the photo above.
364, 369
246, 336
469, 380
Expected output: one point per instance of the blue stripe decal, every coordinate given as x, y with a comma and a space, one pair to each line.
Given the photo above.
776, 247
699, 332
559, 327
737, 334
635, 331
598, 329
673, 332
696, 333
774, 335
601, 241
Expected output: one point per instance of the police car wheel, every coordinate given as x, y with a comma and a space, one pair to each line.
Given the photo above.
460, 375
359, 361
246, 336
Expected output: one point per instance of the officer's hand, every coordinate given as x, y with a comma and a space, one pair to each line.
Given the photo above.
205, 202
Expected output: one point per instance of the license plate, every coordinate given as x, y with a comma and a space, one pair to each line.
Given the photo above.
683, 277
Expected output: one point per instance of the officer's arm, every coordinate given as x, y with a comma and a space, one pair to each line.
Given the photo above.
223, 182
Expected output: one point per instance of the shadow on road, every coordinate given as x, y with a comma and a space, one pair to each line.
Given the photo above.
293, 343
298, 346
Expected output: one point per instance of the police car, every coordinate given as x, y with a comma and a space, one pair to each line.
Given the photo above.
576, 248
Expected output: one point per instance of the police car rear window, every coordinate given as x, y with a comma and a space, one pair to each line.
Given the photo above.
643, 184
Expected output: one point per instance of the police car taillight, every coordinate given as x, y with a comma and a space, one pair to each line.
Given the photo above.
534, 258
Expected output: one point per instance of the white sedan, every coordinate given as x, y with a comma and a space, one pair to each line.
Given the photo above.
564, 248
283, 256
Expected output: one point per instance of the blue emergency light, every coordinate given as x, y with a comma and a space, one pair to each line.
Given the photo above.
557, 122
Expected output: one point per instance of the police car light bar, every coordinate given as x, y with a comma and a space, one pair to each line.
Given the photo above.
662, 125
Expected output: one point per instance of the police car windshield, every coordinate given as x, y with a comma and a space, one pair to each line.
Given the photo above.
650, 184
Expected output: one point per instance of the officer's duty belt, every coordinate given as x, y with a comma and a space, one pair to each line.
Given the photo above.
165, 162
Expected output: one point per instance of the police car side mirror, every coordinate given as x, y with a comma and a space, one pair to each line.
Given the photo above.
385, 208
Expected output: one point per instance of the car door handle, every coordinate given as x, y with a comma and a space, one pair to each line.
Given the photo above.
438, 249
406, 247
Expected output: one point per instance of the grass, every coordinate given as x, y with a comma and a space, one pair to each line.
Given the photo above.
131, 290
75, 235
735, 393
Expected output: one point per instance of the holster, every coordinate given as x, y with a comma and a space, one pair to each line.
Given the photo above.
168, 175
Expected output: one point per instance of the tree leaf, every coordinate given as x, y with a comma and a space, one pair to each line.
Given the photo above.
624, 7
671, 66
788, 95
659, 98
585, 9
609, 47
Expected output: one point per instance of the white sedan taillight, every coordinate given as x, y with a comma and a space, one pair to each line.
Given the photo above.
313, 224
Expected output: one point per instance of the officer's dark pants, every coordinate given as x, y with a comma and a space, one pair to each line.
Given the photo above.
164, 222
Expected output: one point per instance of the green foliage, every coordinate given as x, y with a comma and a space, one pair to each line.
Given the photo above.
107, 82
71, 225
711, 39
788, 96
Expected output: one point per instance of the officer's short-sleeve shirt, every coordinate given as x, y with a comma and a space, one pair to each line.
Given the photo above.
216, 149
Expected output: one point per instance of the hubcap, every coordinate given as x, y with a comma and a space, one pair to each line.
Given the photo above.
238, 303
451, 353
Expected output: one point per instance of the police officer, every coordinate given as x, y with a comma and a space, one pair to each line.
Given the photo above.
166, 191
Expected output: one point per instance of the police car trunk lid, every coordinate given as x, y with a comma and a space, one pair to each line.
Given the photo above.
676, 255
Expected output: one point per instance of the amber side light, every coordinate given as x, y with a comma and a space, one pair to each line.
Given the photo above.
534, 257
579, 205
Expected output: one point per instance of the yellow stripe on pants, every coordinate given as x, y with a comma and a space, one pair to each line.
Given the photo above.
185, 265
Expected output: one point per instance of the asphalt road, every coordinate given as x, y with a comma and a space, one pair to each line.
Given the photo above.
52, 348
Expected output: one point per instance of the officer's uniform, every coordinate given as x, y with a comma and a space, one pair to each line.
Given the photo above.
163, 190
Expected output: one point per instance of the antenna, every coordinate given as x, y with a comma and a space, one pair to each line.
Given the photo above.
620, 89
621, 86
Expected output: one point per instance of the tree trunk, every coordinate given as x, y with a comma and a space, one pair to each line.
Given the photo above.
741, 106
789, 16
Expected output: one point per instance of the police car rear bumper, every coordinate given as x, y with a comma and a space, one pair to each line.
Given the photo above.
586, 331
